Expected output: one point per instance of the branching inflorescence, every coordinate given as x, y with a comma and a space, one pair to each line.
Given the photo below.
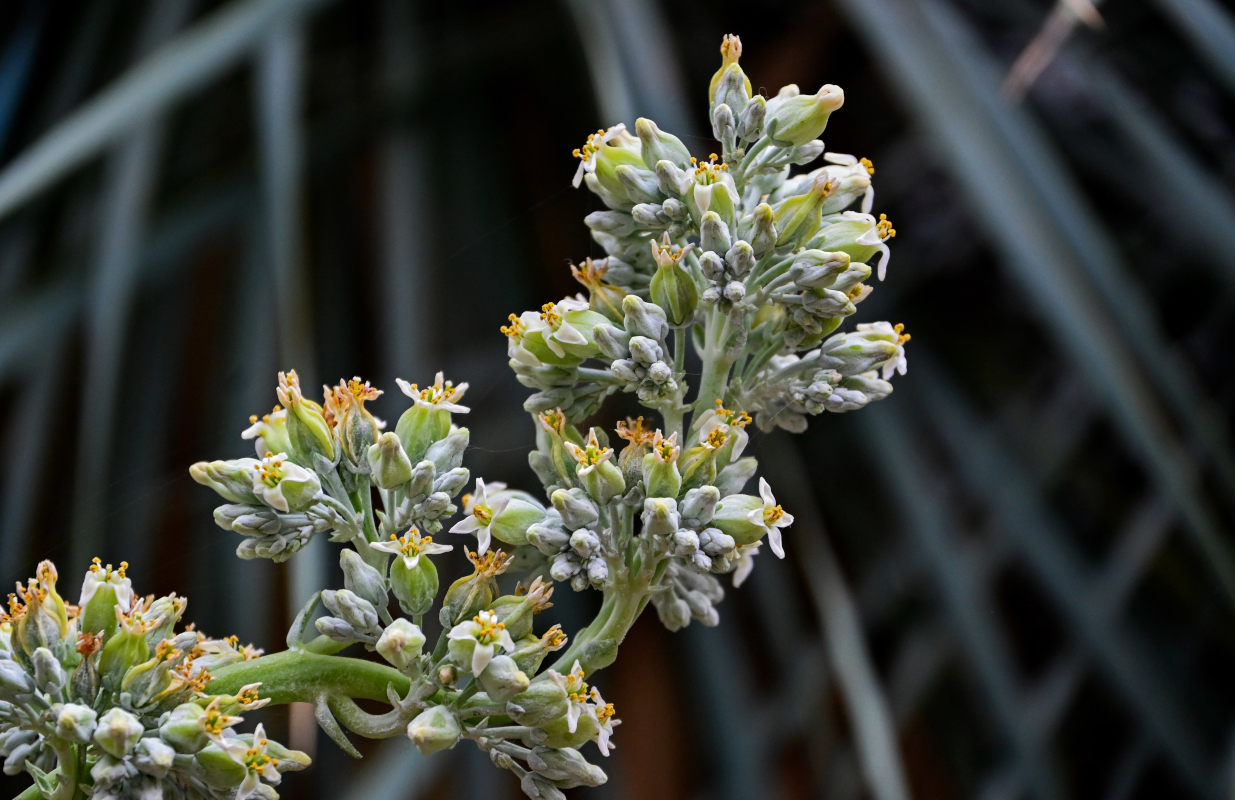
716, 305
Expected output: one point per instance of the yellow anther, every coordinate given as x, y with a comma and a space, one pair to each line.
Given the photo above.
550, 315
772, 514
515, 329
866, 162
884, 227
901, 336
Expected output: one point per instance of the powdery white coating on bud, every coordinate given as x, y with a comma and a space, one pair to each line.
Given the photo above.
400, 643
117, 732
434, 729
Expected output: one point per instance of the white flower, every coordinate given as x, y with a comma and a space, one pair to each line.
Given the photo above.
772, 517
896, 336
746, 563
442, 394
481, 513
481, 634
258, 764
283, 484
606, 722
590, 455
587, 154
99, 575
411, 546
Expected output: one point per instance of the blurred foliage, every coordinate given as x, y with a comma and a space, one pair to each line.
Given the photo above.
1026, 584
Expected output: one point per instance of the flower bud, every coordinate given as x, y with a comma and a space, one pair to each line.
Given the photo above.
795, 119
650, 215
232, 480
733, 518
434, 729
361, 578
603, 481
740, 258
49, 676
656, 145
307, 429
724, 126
182, 729
106, 772
714, 233
502, 679
566, 767
76, 722
673, 289
414, 588
154, 757
763, 234
388, 464
640, 185
611, 341
673, 612
673, 181
798, 217
14, 680
125, 648
729, 73
750, 126
447, 454
351, 608
661, 477
712, 266
117, 732
660, 516
543, 701
644, 319
401, 643
699, 504
218, 768
511, 523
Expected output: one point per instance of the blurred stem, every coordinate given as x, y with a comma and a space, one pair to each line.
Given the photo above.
302, 676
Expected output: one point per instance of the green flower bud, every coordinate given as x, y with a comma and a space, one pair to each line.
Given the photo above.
401, 643
794, 119
183, 729
414, 588
763, 234
560, 735
388, 464
641, 318
434, 729
76, 722
798, 217
125, 648
640, 184
542, 702
656, 145
117, 732
307, 428
673, 287
218, 768
698, 466
503, 679
14, 680
620, 149
289, 760
231, 480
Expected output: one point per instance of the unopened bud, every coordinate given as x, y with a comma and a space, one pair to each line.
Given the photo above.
434, 729
117, 732
401, 643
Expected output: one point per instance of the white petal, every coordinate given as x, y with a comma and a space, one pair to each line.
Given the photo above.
765, 491
774, 541
406, 388
481, 657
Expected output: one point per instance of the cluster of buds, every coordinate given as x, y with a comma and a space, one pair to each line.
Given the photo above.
108, 696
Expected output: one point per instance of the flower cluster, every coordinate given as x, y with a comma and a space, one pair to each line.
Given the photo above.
106, 694
716, 305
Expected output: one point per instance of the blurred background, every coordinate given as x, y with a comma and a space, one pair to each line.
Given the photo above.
1012, 579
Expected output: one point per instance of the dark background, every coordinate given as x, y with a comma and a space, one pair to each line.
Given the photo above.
1012, 579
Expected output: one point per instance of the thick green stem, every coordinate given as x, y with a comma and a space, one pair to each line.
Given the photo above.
301, 676
595, 647
715, 366
31, 793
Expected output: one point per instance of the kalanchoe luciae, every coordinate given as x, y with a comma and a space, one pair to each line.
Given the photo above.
730, 254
